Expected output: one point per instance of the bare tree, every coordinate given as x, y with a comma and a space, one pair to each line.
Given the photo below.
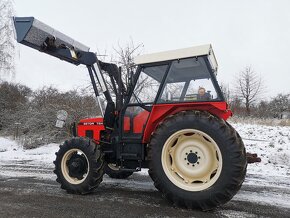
125, 58
249, 86
226, 92
7, 44
36, 111
279, 105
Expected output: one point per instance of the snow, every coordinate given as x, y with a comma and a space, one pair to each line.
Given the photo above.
271, 143
12, 152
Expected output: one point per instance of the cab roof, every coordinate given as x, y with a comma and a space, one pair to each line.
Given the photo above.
202, 50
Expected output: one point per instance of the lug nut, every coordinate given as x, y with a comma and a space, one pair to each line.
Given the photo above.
186, 153
193, 165
190, 151
195, 152
197, 162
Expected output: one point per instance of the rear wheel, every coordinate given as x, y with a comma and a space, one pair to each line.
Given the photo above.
196, 160
79, 166
113, 171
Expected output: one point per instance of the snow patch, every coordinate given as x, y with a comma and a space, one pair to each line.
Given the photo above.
13, 152
271, 143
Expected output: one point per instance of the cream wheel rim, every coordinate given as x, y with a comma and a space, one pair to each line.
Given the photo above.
191, 160
65, 169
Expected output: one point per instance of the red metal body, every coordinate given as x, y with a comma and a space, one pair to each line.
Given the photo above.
146, 122
161, 111
94, 124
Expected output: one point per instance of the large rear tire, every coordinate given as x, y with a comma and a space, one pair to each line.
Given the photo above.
79, 166
114, 172
196, 160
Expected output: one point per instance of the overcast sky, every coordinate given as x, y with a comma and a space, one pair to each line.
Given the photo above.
243, 33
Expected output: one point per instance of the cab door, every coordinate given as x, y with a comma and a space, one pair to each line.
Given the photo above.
136, 111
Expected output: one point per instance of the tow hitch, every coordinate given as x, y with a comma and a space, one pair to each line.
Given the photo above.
253, 158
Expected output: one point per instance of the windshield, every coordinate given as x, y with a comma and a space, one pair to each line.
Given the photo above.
148, 84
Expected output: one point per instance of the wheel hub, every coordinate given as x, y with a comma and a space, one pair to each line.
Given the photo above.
75, 165
192, 158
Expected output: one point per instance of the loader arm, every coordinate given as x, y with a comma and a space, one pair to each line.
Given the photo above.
37, 35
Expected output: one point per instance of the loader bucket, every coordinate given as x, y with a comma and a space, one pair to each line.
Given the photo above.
35, 34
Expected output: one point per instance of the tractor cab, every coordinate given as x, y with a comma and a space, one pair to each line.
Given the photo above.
182, 73
179, 78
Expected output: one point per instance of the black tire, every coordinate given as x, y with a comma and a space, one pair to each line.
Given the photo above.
233, 168
91, 164
116, 174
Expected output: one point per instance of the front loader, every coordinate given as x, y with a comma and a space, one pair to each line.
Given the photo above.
171, 118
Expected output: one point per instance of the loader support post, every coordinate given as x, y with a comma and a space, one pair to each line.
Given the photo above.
95, 89
119, 101
93, 81
101, 81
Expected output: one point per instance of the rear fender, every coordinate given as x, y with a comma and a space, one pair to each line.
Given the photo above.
161, 111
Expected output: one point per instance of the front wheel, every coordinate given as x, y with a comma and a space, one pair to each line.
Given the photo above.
196, 160
79, 166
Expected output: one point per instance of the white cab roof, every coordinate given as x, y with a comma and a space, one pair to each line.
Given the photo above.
179, 54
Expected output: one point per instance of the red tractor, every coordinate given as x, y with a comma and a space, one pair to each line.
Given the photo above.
171, 119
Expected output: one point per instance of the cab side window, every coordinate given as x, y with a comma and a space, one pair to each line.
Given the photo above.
188, 80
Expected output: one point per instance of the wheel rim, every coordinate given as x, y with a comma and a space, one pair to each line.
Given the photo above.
191, 160
74, 166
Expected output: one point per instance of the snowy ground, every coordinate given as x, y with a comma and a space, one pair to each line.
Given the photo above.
271, 143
